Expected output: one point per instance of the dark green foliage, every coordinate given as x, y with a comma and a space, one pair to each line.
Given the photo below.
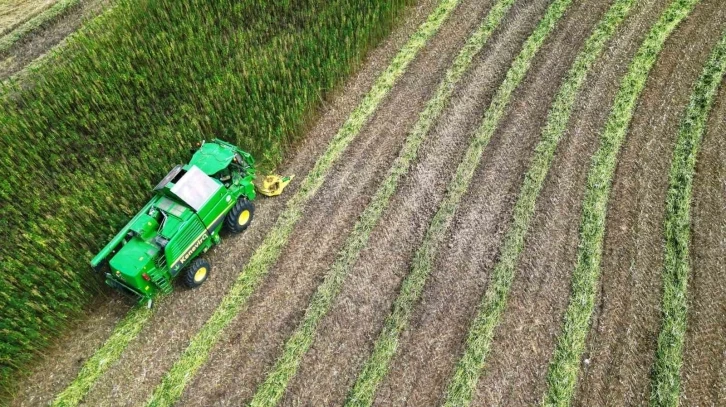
106, 118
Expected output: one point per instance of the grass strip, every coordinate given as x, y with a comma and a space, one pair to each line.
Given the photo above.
56, 11
565, 364
376, 367
271, 390
666, 380
197, 353
104, 357
468, 370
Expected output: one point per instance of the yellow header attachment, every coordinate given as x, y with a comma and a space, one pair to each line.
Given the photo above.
273, 185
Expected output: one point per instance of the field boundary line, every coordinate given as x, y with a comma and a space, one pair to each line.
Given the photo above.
565, 364
466, 375
56, 11
666, 379
272, 389
376, 366
196, 354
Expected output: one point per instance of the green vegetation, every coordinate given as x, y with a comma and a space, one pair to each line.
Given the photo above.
103, 358
669, 355
135, 89
468, 370
565, 364
376, 367
272, 389
58, 10
197, 353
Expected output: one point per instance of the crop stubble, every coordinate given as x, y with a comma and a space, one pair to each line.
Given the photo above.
621, 346
278, 307
704, 356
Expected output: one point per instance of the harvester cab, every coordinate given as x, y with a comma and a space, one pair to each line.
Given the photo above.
182, 220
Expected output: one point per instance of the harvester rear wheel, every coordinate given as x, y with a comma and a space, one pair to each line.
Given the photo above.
196, 273
240, 217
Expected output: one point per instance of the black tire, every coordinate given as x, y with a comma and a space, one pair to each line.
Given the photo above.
240, 217
196, 273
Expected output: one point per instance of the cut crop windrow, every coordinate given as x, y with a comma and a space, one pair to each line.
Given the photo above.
666, 380
56, 11
468, 370
565, 364
272, 389
197, 353
376, 367
125, 331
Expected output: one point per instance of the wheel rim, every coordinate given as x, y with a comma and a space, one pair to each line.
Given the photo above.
244, 217
200, 274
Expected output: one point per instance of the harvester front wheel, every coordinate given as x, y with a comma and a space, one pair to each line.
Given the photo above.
196, 273
240, 217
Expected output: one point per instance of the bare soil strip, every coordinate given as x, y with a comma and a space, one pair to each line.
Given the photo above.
174, 323
376, 367
621, 345
704, 355
666, 385
44, 18
38, 42
357, 316
465, 378
270, 392
565, 365
240, 364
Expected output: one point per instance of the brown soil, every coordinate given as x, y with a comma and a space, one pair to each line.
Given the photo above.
174, 324
356, 318
622, 343
16, 12
39, 42
239, 364
450, 299
528, 329
704, 358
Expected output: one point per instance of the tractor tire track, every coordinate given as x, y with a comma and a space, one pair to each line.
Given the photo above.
622, 342
350, 328
429, 350
704, 357
170, 330
239, 365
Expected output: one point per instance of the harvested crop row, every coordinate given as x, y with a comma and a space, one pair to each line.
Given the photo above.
270, 392
669, 355
564, 367
198, 351
58, 10
376, 367
466, 376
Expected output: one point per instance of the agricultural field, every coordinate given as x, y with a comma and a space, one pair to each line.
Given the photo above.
495, 202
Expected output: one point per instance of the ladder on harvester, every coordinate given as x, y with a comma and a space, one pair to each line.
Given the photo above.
158, 278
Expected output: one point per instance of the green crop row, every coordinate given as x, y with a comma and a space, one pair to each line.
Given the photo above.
377, 365
665, 390
468, 370
272, 389
565, 364
197, 353
56, 11
86, 136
